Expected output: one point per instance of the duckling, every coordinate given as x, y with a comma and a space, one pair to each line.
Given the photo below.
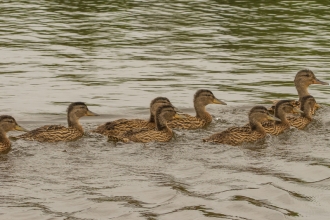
7, 123
162, 133
202, 98
304, 78
237, 135
282, 108
55, 133
307, 104
120, 126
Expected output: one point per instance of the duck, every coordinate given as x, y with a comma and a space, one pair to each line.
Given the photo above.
202, 98
56, 133
303, 79
120, 126
7, 123
238, 135
162, 133
307, 104
282, 108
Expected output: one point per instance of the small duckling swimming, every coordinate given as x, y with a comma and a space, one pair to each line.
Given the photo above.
7, 123
120, 126
282, 108
237, 135
56, 133
202, 98
162, 133
307, 105
303, 79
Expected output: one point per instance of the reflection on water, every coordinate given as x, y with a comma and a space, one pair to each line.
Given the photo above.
117, 56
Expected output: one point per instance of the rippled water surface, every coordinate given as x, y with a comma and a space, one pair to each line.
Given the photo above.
118, 55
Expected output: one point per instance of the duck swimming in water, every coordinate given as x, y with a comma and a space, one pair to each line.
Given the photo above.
120, 126
282, 109
7, 123
307, 105
237, 135
303, 79
202, 98
162, 133
55, 133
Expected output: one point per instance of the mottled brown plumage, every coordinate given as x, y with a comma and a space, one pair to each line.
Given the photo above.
201, 99
7, 123
238, 135
304, 78
307, 104
162, 133
120, 126
55, 133
282, 108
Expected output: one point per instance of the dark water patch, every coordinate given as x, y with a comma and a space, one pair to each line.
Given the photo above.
265, 204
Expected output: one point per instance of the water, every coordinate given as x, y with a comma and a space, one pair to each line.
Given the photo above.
116, 56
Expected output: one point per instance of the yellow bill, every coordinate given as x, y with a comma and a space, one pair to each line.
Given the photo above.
217, 101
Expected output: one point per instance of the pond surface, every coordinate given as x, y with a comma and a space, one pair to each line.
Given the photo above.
117, 56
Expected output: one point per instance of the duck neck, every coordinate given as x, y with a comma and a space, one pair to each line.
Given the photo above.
202, 113
161, 123
307, 112
3, 137
302, 90
73, 122
281, 115
152, 118
257, 126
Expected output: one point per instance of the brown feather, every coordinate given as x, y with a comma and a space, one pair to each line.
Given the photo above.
190, 122
56, 133
53, 133
235, 136
120, 126
162, 133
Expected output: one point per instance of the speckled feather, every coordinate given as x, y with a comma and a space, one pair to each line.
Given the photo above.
296, 104
190, 122
235, 136
275, 128
52, 133
120, 126
272, 127
299, 122
5, 146
144, 135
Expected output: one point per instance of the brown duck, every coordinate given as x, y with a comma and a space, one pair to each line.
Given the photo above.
202, 98
7, 123
238, 135
120, 126
282, 108
304, 78
162, 133
307, 105
55, 133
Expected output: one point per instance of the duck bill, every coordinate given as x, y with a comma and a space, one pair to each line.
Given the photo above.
90, 113
317, 106
273, 118
217, 101
177, 116
317, 81
20, 128
297, 110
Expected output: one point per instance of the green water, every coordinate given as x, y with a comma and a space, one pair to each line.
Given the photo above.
117, 56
